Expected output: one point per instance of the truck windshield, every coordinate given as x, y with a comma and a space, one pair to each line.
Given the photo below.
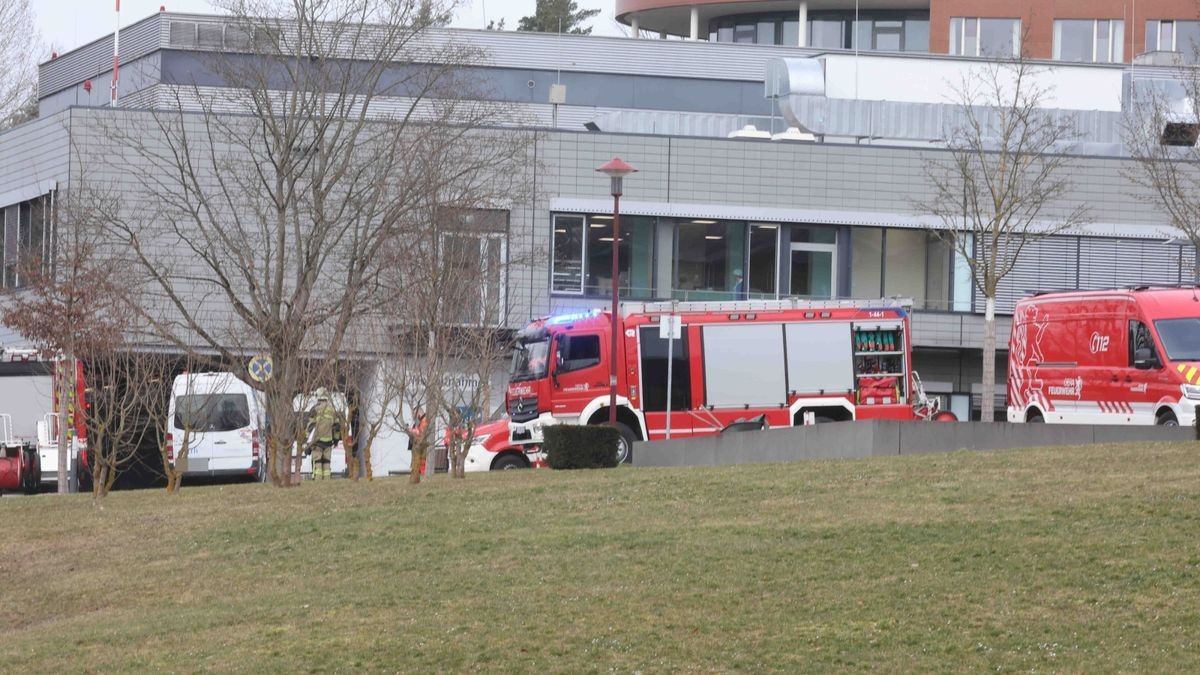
1180, 337
529, 360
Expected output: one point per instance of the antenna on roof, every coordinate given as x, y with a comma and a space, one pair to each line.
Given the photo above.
116, 55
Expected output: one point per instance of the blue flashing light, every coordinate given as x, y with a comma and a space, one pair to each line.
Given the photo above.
571, 318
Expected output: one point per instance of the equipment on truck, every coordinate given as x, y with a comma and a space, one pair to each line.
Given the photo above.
785, 360
19, 461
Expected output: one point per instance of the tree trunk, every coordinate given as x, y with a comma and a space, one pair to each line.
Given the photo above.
987, 400
64, 451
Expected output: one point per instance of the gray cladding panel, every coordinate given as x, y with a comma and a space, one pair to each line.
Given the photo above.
95, 58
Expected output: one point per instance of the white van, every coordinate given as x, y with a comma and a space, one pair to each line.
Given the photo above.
224, 415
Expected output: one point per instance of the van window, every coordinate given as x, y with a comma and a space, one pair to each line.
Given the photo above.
212, 412
1180, 337
1140, 338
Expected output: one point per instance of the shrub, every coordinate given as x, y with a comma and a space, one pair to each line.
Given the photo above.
580, 447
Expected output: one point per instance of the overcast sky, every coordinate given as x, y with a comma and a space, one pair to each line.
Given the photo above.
67, 24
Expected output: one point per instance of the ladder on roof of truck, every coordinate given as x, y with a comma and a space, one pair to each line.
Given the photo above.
703, 306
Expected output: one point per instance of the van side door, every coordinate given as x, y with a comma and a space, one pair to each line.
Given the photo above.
1148, 381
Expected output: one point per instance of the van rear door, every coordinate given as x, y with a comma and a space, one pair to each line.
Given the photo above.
222, 433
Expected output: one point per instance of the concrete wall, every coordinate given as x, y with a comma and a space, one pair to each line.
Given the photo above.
878, 438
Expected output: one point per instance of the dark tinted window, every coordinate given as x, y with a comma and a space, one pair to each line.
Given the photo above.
1139, 338
212, 412
577, 351
654, 372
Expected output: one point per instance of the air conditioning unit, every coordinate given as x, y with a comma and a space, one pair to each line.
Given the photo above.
749, 131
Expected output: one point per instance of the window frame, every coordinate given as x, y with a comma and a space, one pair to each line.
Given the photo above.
481, 238
1115, 39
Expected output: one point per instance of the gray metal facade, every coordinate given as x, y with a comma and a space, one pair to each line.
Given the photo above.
850, 186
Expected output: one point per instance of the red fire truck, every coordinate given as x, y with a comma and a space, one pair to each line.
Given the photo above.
1128, 356
792, 362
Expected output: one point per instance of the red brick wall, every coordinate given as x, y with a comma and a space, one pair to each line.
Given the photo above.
1037, 19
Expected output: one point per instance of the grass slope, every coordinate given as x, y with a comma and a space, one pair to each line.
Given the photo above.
1077, 559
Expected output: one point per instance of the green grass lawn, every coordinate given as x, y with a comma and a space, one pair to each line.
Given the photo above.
1067, 559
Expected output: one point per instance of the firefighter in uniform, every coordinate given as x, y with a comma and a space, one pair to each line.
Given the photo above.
324, 427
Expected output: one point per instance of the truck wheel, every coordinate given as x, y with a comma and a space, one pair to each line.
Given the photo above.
1034, 417
625, 444
1166, 419
506, 462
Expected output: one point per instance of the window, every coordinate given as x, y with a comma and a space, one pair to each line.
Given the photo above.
1089, 41
1173, 36
866, 262
576, 352
25, 238
582, 255
985, 37
813, 268
212, 412
909, 263
1140, 338
764, 263
476, 265
709, 254
636, 256
904, 264
567, 266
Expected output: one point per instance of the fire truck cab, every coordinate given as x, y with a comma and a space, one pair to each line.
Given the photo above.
793, 361
1128, 356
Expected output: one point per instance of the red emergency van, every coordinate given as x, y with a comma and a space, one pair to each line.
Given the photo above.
791, 361
1127, 356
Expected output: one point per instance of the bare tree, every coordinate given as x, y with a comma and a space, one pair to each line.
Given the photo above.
72, 306
1162, 126
121, 381
266, 205
18, 47
1001, 185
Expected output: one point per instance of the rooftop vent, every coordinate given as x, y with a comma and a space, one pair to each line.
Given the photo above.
795, 135
749, 131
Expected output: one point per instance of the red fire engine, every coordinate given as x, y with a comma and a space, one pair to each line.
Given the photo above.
792, 362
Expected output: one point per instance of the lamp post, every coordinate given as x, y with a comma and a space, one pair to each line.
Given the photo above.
616, 169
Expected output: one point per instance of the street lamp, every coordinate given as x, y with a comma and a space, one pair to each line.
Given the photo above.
616, 169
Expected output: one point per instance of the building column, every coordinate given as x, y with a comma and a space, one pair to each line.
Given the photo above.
633, 25
803, 41
695, 32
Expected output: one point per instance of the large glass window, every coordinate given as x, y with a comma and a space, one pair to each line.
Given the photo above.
883, 30
636, 256
972, 36
866, 262
1173, 36
583, 247
764, 262
1089, 41
812, 258
567, 265
904, 264
709, 256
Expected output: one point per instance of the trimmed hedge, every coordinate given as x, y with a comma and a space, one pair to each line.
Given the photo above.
580, 447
